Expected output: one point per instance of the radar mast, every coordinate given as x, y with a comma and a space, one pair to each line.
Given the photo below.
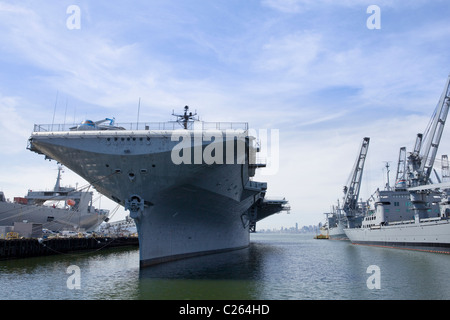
185, 118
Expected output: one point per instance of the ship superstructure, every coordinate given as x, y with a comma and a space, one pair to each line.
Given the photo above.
63, 208
186, 183
414, 213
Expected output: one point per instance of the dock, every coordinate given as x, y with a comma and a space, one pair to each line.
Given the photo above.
25, 248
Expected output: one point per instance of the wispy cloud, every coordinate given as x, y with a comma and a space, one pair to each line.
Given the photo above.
14, 128
299, 6
291, 54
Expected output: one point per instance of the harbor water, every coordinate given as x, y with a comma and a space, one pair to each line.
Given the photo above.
273, 267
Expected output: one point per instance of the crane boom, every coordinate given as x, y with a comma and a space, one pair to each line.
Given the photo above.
436, 132
422, 159
352, 190
400, 179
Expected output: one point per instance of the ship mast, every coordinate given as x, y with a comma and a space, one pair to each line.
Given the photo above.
185, 118
58, 180
388, 186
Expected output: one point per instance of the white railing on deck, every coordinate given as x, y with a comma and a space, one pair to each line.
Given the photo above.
171, 125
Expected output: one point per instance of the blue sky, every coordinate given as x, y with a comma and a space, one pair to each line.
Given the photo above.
310, 69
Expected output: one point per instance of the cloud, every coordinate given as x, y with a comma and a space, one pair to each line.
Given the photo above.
14, 126
293, 53
80, 62
300, 6
287, 6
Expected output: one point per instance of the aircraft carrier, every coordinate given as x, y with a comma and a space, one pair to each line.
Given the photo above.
186, 183
414, 214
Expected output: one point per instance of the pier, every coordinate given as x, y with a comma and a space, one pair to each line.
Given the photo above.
24, 248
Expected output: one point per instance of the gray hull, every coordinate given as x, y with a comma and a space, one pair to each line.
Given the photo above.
189, 226
337, 232
198, 217
54, 219
433, 236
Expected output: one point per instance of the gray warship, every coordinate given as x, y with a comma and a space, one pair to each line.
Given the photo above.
60, 209
335, 222
187, 183
414, 214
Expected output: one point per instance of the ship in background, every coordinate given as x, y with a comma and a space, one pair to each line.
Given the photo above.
60, 209
186, 183
335, 222
414, 214
351, 214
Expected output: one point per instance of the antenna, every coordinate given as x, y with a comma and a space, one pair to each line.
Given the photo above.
74, 113
388, 186
139, 107
65, 114
186, 117
54, 110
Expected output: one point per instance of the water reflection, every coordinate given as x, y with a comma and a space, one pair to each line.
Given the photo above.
106, 274
273, 267
231, 275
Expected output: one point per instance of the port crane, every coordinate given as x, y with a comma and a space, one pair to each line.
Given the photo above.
419, 164
351, 190
414, 170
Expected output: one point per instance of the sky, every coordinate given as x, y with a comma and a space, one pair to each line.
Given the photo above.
317, 72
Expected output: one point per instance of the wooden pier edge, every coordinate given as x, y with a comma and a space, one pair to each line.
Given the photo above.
24, 248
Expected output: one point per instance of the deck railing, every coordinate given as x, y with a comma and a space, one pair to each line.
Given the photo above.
147, 126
